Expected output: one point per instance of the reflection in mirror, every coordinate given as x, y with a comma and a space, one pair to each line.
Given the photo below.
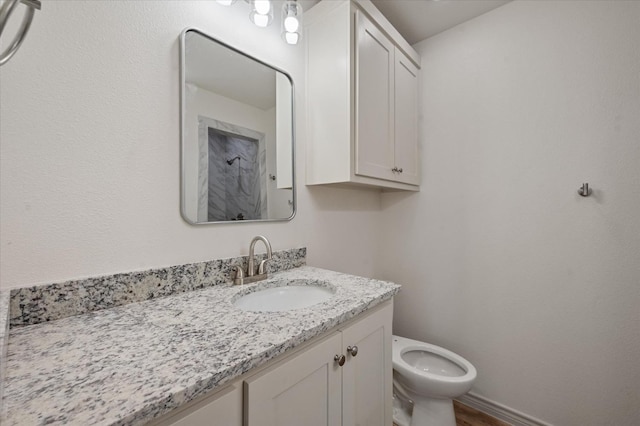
237, 135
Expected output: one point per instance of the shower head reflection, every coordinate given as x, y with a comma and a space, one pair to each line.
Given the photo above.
232, 160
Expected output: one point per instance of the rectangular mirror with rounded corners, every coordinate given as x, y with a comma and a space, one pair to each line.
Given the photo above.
237, 135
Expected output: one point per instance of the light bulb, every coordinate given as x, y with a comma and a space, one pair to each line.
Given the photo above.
291, 38
291, 24
262, 7
261, 12
260, 20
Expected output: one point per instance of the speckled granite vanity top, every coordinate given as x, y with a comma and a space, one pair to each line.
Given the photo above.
129, 364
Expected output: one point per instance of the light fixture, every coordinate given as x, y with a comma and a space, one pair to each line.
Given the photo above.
291, 21
262, 15
261, 12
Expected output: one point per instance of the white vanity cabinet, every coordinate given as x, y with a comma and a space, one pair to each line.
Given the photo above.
362, 84
305, 390
309, 386
312, 389
222, 408
367, 377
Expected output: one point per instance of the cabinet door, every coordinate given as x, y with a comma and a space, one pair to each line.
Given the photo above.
367, 376
224, 408
374, 101
406, 120
305, 390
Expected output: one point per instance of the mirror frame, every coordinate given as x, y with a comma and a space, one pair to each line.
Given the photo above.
183, 37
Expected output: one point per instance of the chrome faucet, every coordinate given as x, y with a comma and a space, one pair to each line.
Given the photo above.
261, 268
251, 276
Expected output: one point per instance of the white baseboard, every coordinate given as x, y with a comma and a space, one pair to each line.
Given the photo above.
499, 411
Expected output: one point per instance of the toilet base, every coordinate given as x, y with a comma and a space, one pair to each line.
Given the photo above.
433, 412
402, 409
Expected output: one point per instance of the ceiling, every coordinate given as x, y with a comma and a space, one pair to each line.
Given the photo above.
420, 19
242, 79
218, 69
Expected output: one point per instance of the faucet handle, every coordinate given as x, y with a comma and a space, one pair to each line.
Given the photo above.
239, 275
262, 267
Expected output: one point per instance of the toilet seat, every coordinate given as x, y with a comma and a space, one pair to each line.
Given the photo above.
428, 382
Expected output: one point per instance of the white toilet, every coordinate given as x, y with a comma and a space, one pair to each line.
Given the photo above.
430, 377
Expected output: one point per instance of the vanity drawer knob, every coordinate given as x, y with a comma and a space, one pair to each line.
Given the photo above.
340, 359
353, 350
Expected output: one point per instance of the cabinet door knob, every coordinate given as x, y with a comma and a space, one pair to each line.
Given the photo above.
395, 169
353, 350
340, 359
400, 170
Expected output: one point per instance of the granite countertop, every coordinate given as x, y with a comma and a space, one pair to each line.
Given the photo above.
129, 364
4, 336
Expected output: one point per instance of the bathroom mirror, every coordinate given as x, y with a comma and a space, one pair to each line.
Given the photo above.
237, 135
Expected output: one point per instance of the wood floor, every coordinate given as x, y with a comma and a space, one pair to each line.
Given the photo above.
467, 416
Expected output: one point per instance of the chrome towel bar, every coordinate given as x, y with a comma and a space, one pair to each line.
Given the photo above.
5, 12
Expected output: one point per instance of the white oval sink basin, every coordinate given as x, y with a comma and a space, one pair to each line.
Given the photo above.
285, 296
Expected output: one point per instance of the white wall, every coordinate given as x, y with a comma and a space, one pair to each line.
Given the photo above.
89, 149
500, 259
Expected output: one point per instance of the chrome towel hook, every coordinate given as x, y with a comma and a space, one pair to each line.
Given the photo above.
5, 12
584, 190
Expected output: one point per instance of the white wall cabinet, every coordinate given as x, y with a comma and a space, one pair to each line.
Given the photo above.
310, 387
362, 83
406, 155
